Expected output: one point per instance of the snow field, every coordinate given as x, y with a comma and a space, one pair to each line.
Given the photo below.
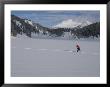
54, 58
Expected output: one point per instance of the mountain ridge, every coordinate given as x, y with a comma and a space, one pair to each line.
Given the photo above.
30, 28
71, 24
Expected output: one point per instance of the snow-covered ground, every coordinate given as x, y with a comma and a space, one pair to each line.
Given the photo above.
54, 58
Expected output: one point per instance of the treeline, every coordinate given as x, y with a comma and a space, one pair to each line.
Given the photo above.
20, 26
87, 31
84, 32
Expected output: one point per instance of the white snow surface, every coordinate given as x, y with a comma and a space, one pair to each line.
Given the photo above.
71, 24
54, 58
18, 23
29, 22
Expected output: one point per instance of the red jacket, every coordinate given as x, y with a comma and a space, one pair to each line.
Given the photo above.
77, 46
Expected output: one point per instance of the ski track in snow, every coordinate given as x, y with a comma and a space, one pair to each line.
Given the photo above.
54, 58
57, 50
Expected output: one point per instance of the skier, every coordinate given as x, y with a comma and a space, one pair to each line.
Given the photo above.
78, 48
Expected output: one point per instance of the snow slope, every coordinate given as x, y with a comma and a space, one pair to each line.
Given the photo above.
54, 58
71, 24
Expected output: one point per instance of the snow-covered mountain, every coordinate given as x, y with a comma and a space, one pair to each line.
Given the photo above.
68, 29
25, 26
85, 23
28, 21
72, 24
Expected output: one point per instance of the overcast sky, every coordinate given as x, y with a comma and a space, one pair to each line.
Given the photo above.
52, 18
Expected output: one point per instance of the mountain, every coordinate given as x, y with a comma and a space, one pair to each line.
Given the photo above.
65, 30
71, 24
92, 30
25, 26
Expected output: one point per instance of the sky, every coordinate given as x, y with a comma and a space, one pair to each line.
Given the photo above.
53, 18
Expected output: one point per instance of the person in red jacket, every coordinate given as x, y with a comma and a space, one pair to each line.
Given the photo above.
78, 48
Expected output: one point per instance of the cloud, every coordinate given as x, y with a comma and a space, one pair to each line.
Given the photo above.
54, 17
